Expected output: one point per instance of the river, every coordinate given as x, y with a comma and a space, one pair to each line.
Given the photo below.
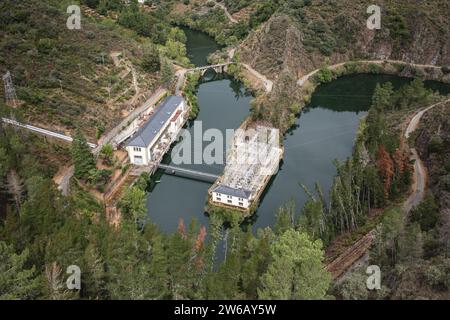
324, 131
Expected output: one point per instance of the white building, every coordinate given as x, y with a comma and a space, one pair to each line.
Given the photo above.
231, 196
158, 133
253, 158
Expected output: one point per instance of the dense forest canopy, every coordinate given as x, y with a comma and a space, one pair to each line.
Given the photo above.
43, 232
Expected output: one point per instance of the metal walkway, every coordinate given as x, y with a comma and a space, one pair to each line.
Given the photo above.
43, 131
211, 66
196, 174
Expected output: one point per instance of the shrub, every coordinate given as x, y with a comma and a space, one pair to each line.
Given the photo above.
45, 45
324, 75
151, 61
444, 182
445, 69
426, 213
435, 145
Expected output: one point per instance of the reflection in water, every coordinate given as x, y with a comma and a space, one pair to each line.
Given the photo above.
224, 103
324, 131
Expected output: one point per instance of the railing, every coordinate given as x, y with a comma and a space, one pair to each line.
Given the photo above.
190, 172
43, 131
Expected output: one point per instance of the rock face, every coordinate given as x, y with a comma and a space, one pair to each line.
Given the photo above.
335, 31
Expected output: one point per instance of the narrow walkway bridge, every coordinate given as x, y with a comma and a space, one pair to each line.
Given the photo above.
209, 177
218, 68
43, 131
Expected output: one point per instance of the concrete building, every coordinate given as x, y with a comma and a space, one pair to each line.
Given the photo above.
231, 196
152, 140
253, 158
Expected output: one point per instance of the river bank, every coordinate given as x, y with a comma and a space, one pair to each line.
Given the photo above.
324, 130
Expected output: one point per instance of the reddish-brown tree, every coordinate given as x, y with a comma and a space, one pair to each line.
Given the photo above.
200, 239
181, 227
385, 165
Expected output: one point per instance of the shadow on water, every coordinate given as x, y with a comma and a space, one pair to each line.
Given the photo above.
325, 130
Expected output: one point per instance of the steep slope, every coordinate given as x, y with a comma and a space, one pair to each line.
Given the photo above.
68, 78
304, 38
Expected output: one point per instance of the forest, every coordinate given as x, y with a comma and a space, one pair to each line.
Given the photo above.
43, 232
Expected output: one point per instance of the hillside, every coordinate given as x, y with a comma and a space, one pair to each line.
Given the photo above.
67, 78
302, 36
300, 39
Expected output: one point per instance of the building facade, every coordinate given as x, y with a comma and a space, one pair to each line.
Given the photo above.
231, 196
252, 159
153, 139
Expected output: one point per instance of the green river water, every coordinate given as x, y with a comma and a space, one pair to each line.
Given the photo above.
324, 131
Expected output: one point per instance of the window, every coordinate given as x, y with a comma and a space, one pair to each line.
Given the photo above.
241, 204
218, 199
229, 201
229, 197
240, 199
137, 149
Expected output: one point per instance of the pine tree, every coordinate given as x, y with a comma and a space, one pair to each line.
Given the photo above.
382, 96
133, 204
16, 280
94, 275
296, 270
56, 286
158, 270
167, 73
150, 60
82, 157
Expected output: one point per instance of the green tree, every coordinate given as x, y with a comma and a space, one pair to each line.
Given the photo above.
82, 157
175, 50
296, 270
426, 213
16, 280
311, 219
151, 61
158, 270
382, 96
107, 153
354, 286
285, 217
167, 73
133, 203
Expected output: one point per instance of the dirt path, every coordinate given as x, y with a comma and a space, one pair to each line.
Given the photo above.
306, 77
359, 250
63, 179
181, 75
268, 84
229, 16
420, 171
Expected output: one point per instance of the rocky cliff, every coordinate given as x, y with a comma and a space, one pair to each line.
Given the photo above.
302, 36
300, 40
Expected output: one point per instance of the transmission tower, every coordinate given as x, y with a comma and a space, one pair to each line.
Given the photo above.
10, 92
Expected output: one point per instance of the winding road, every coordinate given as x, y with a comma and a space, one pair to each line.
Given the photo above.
302, 80
420, 172
358, 251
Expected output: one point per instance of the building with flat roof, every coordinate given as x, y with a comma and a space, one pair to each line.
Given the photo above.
150, 142
253, 158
